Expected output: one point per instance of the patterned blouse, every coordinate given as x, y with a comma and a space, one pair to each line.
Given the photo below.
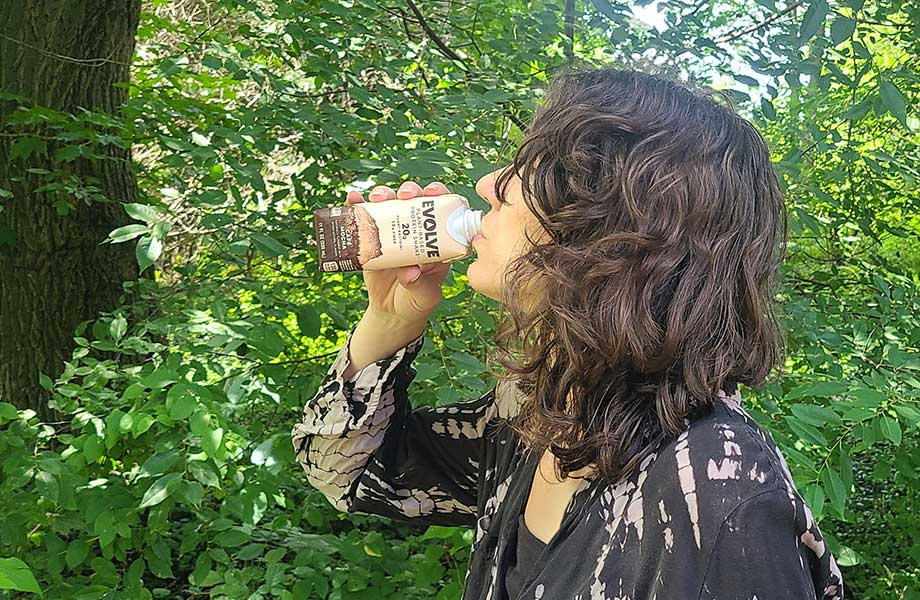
712, 514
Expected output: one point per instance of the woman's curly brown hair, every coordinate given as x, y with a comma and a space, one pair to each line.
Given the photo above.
667, 227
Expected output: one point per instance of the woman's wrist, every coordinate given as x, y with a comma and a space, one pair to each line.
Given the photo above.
377, 335
389, 319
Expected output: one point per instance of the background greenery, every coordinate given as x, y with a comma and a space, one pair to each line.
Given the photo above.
167, 468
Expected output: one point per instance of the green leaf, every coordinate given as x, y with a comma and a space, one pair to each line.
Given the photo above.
360, 164
808, 433
160, 490
814, 496
250, 551
813, 21
212, 62
848, 557
857, 414
768, 109
200, 423
891, 429
867, 395
846, 468
911, 414
203, 472
201, 570
159, 463
269, 245
92, 448
118, 327
496, 95
128, 232
605, 8
231, 538
387, 135
69, 153
308, 321
819, 416
894, 101
818, 389
16, 575
76, 553
142, 212
842, 28
104, 527
147, 251
210, 441
141, 424
47, 485
181, 402
338, 318
417, 168
8, 412
833, 485
26, 146
160, 377
194, 493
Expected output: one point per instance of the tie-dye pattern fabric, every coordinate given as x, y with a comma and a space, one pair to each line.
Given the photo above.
712, 514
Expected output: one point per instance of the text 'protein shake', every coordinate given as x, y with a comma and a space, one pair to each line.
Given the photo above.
395, 233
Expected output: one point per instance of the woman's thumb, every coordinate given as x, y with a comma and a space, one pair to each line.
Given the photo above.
409, 275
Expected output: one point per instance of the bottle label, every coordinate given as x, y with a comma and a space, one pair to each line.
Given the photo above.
382, 235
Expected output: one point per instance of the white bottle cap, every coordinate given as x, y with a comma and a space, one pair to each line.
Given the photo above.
463, 224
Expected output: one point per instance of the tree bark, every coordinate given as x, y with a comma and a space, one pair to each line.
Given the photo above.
64, 55
568, 36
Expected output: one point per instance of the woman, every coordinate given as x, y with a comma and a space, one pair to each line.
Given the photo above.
614, 460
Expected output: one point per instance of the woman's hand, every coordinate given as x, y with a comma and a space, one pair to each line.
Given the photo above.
412, 293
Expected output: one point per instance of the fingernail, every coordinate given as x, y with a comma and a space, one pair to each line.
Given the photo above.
418, 274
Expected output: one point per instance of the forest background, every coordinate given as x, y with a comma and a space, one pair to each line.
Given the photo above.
163, 321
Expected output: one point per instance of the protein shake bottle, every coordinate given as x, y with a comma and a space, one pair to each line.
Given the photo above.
395, 233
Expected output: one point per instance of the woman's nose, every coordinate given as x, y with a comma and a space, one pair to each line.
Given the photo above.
485, 187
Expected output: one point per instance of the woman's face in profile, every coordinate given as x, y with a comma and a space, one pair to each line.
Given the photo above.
503, 230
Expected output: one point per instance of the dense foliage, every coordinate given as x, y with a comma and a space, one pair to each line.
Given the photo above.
171, 473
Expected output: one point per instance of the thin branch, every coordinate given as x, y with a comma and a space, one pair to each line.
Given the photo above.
204, 32
760, 25
85, 62
445, 50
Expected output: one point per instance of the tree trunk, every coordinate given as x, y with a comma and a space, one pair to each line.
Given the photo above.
63, 55
568, 32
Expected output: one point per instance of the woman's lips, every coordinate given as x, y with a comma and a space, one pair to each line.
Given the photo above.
476, 237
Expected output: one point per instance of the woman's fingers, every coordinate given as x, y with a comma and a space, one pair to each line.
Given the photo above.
381, 193
408, 189
438, 267
408, 275
411, 273
435, 188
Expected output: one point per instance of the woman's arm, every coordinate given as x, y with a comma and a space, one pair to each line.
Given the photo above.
377, 336
365, 449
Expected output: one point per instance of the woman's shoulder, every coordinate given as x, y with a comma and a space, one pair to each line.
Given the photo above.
723, 458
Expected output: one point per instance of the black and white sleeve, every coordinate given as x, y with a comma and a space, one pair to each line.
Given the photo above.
363, 446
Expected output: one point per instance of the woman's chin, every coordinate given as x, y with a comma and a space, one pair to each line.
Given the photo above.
479, 281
